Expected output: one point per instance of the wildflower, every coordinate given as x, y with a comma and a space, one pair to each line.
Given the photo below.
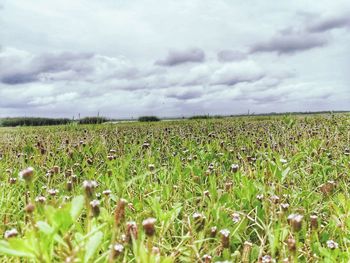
225, 238
267, 259
107, 192
295, 220
89, 187
213, 231
199, 220
151, 167
234, 168
284, 206
155, 250
95, 207
332, 244
275, 199
236, 218
52, 192
260, 197
27, 174
40, 199
148, 226
117, 250
206, 258
12, 180
11, 233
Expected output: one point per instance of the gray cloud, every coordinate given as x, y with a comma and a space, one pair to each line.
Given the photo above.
177, 57
290, 42
328, 23
230, 55
22, 68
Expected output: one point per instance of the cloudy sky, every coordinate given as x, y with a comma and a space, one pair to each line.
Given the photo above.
126, 58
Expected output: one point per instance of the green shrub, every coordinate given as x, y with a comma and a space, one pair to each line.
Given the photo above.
93, 120
148, 118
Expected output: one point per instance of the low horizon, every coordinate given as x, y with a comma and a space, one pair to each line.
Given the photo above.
247, 114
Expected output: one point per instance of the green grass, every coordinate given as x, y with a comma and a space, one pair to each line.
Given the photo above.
181, 174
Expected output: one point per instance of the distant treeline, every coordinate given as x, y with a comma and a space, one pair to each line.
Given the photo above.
203, 117
34, 121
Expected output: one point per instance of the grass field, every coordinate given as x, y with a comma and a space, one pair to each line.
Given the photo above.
267, 189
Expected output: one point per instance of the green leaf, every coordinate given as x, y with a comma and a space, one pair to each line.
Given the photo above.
77, 206
45, 227
17, 248
92, 245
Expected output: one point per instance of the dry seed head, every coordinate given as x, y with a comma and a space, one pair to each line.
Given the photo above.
119, 211
56, 169
292, 245
148, 226
29, 208
69, 185
246, 251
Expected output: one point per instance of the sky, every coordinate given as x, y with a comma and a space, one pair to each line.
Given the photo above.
127, 58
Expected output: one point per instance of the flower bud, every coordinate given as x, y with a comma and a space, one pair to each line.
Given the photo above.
314, 221
119, 211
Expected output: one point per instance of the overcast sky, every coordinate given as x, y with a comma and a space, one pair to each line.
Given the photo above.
126, 58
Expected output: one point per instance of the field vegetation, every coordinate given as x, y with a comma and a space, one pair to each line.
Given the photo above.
250, 189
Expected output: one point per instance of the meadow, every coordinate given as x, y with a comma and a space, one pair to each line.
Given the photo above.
248, 189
